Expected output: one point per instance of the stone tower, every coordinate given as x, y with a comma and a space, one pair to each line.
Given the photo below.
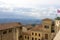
47, 25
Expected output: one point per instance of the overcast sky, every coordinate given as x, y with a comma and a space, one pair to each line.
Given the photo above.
29, 8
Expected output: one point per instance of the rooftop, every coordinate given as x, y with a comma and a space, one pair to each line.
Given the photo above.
37, 28
9, 25
47, 19
27, 33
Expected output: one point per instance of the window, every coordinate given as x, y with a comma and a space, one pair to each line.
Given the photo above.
46, 36
21, 27
39, 34
35, 34
20, 36
25, 37
28, 38
46, 26
32, 33
38, 39
52, 31
28, 28
35, 38
10, 30
32, 38
4, 32
53, 24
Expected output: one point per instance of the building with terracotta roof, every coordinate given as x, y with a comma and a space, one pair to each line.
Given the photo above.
11, 31
26, 31
16, 31
27, 35
43, 31
48, 29
37, 33
25, 28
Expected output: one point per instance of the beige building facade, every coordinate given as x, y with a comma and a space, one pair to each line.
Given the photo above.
57, 26
36, 35
44, 31
10, 31
26, 35
46, 23
16, 31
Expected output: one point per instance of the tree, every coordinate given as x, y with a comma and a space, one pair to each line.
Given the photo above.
58, 18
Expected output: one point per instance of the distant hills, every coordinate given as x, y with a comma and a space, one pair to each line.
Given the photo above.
13, 17
23, 21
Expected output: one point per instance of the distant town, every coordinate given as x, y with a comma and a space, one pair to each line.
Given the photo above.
48, 29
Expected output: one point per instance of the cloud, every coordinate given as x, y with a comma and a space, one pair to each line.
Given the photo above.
29, 3
31, 12
30, 8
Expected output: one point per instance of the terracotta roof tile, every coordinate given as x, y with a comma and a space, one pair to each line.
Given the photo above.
9, 25
27, 33
37, 28
47, 19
